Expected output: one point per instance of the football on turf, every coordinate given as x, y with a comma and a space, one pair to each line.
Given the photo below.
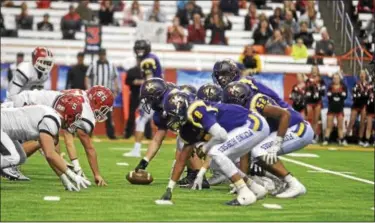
140, 177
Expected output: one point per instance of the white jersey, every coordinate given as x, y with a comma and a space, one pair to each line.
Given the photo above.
48, 98
28, 122
26, 77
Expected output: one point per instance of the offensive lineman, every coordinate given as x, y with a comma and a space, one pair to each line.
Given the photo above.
41, 123
289, 132
28, 76
229, 132
98, 101
150, 67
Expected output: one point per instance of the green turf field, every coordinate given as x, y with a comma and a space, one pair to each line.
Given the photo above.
329, 197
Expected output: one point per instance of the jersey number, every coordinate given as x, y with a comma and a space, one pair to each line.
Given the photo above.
198, 114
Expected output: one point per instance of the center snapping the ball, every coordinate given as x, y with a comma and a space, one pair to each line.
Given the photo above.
140, 177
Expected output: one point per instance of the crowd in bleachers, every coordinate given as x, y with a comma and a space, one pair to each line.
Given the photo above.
272, 33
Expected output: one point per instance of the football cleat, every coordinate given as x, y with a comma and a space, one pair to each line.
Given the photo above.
325, 143
259, 191
243, 200
13, 173
294, 189
233, 202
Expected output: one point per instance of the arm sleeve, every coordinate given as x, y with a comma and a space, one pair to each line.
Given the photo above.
50, 125
219, 135
19, 80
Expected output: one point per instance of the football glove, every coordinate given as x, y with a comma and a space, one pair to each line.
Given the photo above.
199, 179
271, 157
79, 180
67, 184
167, 195
199, 150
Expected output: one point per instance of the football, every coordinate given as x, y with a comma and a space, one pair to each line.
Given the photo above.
140, 177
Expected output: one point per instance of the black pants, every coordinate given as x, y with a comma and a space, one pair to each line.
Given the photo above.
109, 126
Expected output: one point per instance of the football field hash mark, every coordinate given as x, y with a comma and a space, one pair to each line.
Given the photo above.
305, 155
327, 171
51, 198
122, 164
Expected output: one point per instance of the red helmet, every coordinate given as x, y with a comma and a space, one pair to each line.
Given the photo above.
101, 101
70, 108
42, 59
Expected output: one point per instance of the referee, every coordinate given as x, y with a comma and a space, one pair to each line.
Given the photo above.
103, 72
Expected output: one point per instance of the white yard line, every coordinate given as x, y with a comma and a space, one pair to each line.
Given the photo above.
318, 171
327, 171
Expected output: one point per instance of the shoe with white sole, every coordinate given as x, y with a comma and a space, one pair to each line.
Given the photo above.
216, 178
344, 143
325, 143
294, 189
259, 191
13, 173
132, 154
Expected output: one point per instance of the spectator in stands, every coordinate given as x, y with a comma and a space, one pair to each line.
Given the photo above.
315, 91
133, 14
77, 74
106, 13
176, 33
196, 31
214, 10
118, 6
276, 18
186, 15
250, 61
155, 14
262, 33
276, 44
218, 27
181, 4
134, 80
2, 26
229, 6
336, 93
84, 11
305, 35
251, 18
366, 6
24, 20
43, 4
299, 50
325, 47
310, 18
45, 25
289, 23
13, 67
301, 6
7, 3
289, 6
70, 23
298, 95
361, 92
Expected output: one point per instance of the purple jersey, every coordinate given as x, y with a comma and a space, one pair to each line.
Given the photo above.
258, 102
151, 67
201, 117
261, 88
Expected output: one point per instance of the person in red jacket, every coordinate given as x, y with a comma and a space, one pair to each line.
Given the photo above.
43, 4
196, 31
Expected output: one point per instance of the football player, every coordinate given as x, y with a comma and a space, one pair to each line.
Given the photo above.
32, 75
153, 93
26, 77
210, 93
41, 123
229, 132
98, 101
289, 132
150, 67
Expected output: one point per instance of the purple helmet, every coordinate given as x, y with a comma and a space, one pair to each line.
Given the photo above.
211, 93
237, 93
151, 94
225, 71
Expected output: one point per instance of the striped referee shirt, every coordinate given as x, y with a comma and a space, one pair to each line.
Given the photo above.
102, 73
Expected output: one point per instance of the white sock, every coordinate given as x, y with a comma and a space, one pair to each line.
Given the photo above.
288, 178
241, 187
137, 147
76, 164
